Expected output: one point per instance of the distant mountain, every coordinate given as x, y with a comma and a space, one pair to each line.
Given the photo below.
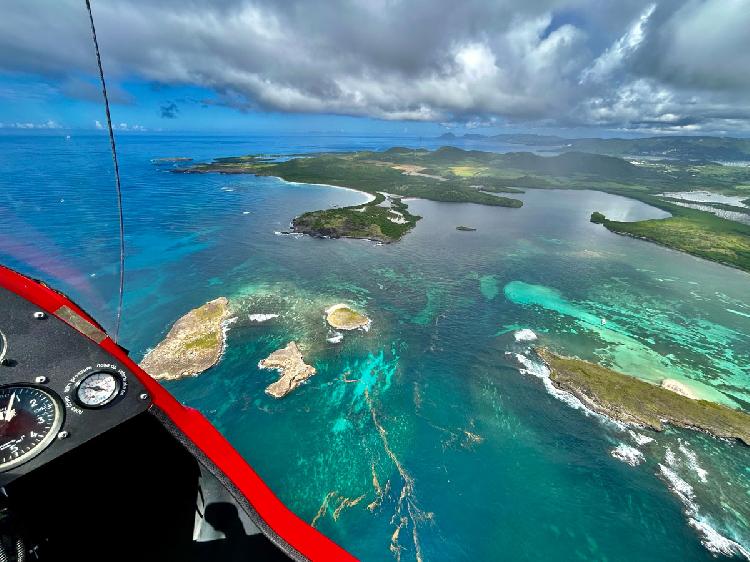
525, 139
698, 148
680, 148
531, 140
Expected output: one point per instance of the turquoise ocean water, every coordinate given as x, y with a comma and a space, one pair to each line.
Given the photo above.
434, 436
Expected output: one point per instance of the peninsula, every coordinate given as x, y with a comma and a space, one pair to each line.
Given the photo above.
388, 176
193, 344
694, 232
634, 401
292, 367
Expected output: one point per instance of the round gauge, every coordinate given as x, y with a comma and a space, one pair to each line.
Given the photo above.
98, 389
30, 418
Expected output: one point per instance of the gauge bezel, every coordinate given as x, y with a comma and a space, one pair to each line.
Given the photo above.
3, 347
49, 438
110, 400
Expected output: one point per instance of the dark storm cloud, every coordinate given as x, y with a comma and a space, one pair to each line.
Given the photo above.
169, 110
634, 63
704, 45
91, 90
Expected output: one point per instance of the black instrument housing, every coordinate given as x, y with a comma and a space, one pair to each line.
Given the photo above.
44, 351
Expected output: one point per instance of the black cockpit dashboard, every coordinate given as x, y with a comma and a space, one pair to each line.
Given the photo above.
58, 390
90, 469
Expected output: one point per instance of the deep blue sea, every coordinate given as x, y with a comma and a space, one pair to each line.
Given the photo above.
435, 435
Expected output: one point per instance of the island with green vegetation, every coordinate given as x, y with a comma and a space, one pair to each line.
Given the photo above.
384, 219
388, 176
634, 401
692, 231
451, 174
193, 344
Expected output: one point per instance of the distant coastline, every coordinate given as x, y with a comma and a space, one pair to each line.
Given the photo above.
453, 175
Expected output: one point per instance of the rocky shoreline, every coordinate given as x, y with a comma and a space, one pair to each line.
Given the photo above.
630, 400
193, 344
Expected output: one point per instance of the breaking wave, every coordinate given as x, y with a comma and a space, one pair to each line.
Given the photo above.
224, 332
692, 462
640, 439
261, 317
335, 337
525, 335
540, 370
627, 454
714, 541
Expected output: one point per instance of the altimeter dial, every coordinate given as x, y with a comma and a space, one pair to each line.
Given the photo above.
30, 418
98, 389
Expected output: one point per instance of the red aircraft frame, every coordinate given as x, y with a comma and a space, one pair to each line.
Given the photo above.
299, 535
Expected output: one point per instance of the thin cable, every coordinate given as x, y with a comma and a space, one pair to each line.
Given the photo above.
117, 173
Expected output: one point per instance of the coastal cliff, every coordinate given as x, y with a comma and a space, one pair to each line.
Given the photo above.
193, 344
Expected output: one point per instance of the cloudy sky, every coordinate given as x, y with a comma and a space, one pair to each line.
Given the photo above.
381, 65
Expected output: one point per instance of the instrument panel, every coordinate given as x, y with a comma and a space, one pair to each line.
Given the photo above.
58, 388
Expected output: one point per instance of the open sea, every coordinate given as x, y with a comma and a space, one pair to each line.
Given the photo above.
435, 435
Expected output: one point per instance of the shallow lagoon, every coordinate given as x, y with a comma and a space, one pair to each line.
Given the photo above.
492, 462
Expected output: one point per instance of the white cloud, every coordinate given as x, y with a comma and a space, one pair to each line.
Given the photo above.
476, 62
625, 105
537, 61
126, 127
706, 46
615, 56
49, 124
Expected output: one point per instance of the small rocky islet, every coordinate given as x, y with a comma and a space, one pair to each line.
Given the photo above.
195, 343
291, 365
289, 360
342, 317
